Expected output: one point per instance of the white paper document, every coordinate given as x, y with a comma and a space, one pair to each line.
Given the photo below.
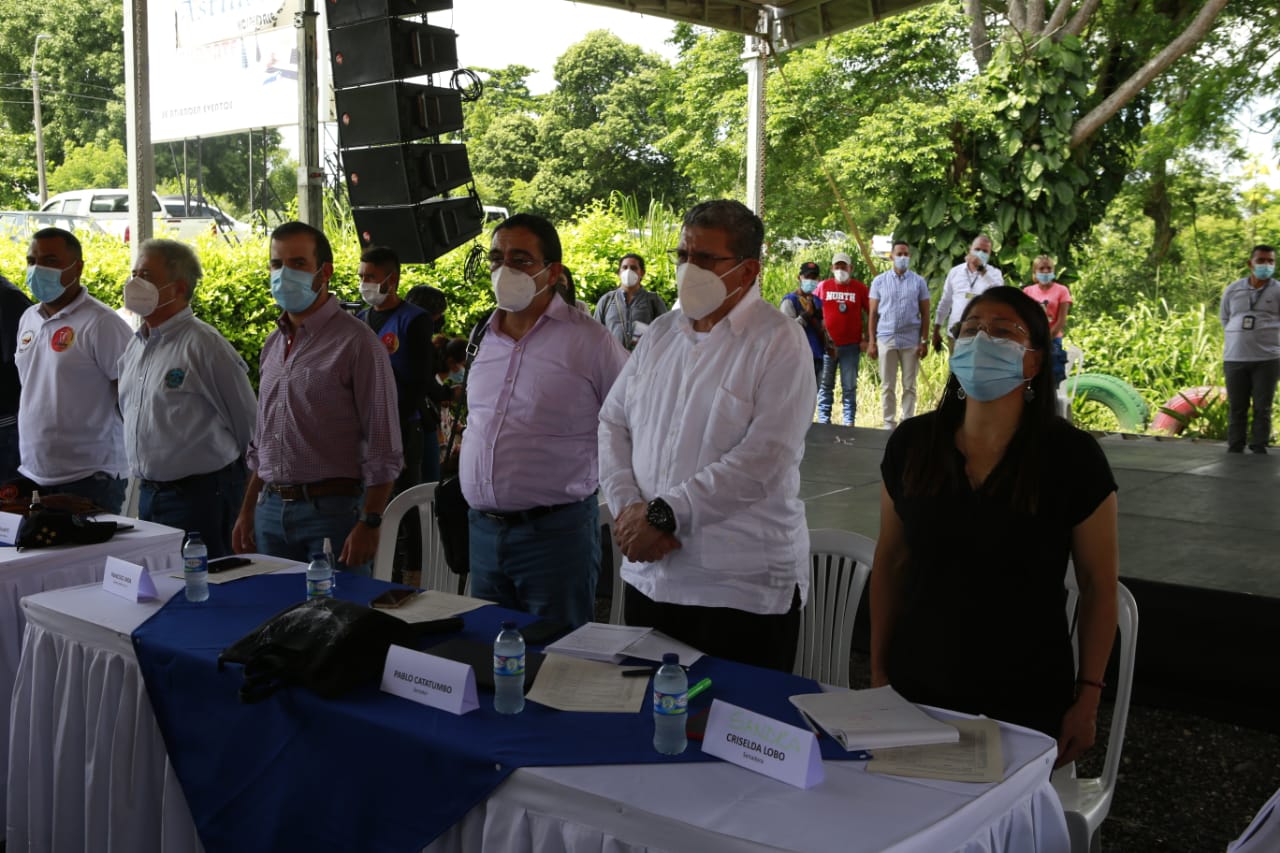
614, 643
976, 757
872, 719
257, 567
426, 606
574, 684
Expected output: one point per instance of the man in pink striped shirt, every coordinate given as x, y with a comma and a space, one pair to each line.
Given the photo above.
528, 466
326, 449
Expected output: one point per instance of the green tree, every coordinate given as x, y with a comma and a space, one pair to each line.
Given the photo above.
90, 166
17, 169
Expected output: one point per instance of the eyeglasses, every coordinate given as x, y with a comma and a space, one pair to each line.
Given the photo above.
701, 259
524, 265
999, 329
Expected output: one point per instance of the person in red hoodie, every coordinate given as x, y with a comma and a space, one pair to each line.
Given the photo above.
845, 314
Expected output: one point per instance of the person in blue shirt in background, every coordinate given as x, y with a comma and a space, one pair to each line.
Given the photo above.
804, 306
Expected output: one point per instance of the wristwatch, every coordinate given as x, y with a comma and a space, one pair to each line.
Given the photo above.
661, 516
372, 520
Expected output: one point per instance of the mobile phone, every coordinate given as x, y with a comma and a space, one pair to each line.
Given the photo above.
393, 598
223, 563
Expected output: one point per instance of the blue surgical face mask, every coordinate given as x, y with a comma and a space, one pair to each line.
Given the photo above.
457, 376
45, 283
986, 367
902, 263
1044, 277
1262, 272
982, 256
808, 285
291, 289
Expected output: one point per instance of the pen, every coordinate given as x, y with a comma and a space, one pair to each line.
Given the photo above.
637, 673
698, 688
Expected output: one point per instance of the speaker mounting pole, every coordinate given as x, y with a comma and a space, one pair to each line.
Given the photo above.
310, 175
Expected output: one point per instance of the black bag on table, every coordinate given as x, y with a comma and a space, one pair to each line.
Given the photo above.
326, 645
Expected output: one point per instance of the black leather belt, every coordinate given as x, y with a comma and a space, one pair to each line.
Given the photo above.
194, 479
344, 486
525, 516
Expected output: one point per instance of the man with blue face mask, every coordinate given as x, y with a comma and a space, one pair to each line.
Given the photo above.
69, 345
1250, 316
326, 449
700, 448
964, 281
805, 307
528, 466
899, 310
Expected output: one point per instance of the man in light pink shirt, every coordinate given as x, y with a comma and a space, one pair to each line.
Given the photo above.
327, 448
529, 459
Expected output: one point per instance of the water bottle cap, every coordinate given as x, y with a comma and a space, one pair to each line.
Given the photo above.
508, 625
671, 657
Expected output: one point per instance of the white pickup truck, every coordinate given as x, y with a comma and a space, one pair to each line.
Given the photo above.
110, 208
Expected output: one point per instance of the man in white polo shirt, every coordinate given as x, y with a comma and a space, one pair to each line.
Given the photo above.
70, 431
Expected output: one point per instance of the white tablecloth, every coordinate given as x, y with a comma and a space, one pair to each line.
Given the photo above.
153, 546
97, 777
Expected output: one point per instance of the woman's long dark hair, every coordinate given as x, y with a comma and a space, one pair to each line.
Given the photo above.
930, 469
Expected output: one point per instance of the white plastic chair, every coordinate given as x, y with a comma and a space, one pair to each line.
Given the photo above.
606, 522
840, 563
435, 571
1086, 802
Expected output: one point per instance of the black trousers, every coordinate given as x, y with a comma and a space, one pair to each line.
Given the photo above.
761, 639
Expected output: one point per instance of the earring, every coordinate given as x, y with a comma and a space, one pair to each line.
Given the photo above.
960, 392
1029, 393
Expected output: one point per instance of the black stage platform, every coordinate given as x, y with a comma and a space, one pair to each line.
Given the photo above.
1199, 541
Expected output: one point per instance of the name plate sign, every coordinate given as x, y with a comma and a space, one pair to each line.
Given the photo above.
9, 524
430, 680
756, 742
128, 580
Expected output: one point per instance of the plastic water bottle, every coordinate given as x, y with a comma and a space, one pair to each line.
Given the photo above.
508, 670
319, 577
195, 567
670, 706
333, 575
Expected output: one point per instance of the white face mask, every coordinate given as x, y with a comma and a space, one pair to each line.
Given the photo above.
515, 290
841, 276
701, 291
143, 297
372, 292
629, 278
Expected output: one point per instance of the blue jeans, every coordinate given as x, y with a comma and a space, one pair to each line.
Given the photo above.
547, 566
296, 530
846, 358
206, 503
103, 489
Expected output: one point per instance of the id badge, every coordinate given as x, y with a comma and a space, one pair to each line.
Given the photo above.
1246, 322
844, 306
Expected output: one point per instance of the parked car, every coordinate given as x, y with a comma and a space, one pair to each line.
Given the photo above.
111, 208
177, 206
19, 225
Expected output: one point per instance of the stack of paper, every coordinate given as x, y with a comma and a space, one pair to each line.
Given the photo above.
614, 643
870, 719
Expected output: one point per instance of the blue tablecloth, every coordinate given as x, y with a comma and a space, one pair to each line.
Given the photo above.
370, 771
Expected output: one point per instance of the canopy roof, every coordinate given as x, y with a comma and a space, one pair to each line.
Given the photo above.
789, 23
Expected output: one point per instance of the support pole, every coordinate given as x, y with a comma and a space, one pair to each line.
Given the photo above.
35, 103
753, 60
310, 177
137, 98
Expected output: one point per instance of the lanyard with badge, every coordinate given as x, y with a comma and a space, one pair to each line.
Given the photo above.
1248, 320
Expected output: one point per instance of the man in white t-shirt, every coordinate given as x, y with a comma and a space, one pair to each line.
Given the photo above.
71, 435
964, 281
700, 445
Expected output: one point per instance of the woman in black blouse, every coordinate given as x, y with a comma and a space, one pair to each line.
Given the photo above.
983, 502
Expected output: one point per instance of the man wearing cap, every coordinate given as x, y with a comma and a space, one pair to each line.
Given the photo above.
804, 307
326, 450
844, 312
186, 399
965, 281
69, 344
